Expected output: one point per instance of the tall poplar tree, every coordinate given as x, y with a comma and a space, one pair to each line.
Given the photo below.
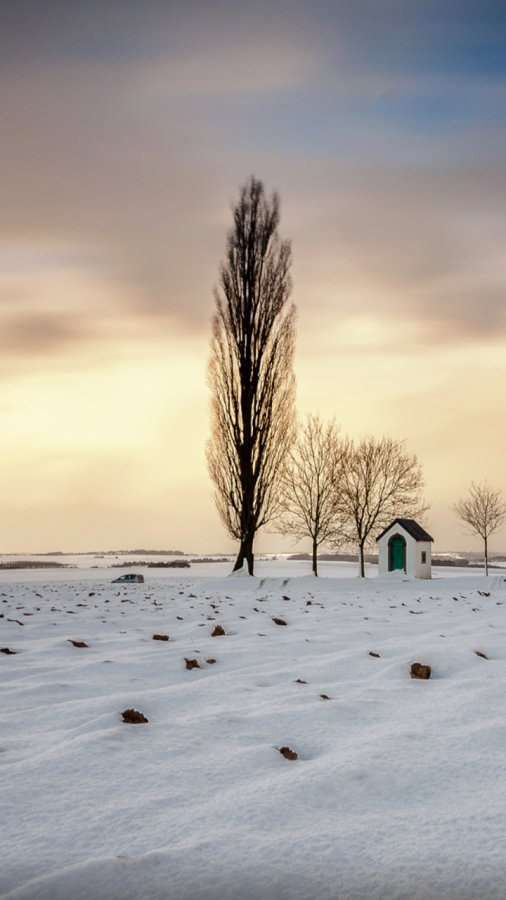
251, 370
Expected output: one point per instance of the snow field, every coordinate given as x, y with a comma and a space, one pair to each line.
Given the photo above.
399, 788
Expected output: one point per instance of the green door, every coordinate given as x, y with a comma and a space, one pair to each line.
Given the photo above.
397, 553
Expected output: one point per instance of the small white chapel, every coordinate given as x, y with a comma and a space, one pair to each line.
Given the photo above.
405, 547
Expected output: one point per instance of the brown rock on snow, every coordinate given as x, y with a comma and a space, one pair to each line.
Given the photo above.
278, 621
218, 631
481, 654
78, 643
7, 651
160, 637
192, 663
134, 717
372, 653
419, 670
288, 753
210, 662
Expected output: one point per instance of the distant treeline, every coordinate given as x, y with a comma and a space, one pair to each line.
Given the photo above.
453, 561
335, 557
462, 562
173, 564
144, 553
459, 561
211, 559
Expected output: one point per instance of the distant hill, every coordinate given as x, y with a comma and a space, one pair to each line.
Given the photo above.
141, 552
32, 564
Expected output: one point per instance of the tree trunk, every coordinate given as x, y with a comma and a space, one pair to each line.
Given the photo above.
315, 558
486, 556
361, 560
245, 553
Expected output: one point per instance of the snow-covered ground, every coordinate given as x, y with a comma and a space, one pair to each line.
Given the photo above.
398, 790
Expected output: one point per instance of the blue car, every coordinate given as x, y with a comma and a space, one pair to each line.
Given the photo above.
130, 578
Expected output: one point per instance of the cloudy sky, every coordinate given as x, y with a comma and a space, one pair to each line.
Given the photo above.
126, 130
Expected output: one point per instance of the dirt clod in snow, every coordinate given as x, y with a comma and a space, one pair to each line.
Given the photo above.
160, 637
481, 654
419, 670
192, 663
278, 621
288, 753
218, 631
210, 662
134, 717
372, 653
78, 643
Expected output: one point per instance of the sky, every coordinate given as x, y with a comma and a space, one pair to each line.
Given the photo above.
126, 131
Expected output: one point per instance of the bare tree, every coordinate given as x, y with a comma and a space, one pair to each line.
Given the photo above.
380, 481
310, 485
251, 370
483, 512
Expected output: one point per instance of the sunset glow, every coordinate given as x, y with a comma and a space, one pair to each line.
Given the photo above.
127, 131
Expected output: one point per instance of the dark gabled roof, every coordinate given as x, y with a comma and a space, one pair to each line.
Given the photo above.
412, 527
